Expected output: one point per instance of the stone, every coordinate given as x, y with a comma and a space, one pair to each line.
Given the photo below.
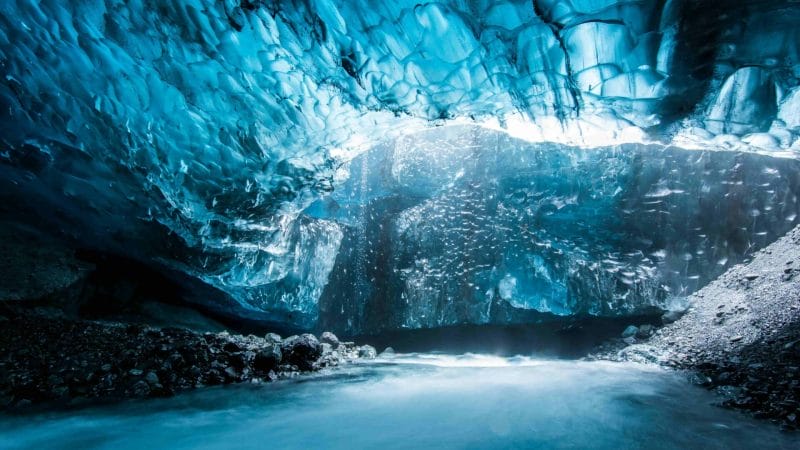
387, 352
301, 351
329, 338
267, 358
140, 389
644, 331
274, 338
237, 360
231, 373
367, 352
151, 378
231, 347
135, 372
630, 331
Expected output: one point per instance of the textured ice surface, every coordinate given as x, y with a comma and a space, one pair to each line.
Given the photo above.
467, 225
194, 132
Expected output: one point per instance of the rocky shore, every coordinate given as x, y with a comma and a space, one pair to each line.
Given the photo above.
46, 358
740, 337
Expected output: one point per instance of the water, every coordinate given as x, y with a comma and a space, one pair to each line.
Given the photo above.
420, 401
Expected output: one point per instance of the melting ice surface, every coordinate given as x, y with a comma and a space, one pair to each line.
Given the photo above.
462, 224
420, 401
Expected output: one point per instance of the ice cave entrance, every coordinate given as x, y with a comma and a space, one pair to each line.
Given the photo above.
467, 225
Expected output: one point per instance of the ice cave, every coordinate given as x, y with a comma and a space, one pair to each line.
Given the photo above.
400, 224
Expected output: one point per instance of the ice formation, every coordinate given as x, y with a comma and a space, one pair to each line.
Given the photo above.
193, 134
466, 225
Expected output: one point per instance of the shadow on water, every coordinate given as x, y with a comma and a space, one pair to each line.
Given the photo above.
559, 337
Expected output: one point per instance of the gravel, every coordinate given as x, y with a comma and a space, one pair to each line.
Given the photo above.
47, 358
741, 335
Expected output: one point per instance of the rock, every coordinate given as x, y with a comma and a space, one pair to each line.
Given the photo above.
630, 340
231, 347
98, 360
140, 389
240, 360
367, 352
751, 276
736, 338
644, 331
151, 378
329, 338
231, 374
630, 331
274, 338
301, 351
387, 352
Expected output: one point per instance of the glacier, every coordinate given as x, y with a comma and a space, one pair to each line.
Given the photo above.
241, 143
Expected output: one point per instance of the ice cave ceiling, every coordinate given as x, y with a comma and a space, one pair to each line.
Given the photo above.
266, 147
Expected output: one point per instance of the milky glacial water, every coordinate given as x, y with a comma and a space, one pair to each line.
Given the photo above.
419, 401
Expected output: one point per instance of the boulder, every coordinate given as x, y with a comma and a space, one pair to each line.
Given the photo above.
268, 358
151, 378
140, 389
630, 331
367, 352
301, 351
329, 338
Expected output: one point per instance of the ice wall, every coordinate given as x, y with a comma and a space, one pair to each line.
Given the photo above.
192, 133
467, 225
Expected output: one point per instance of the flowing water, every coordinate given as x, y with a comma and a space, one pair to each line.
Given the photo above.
419, 401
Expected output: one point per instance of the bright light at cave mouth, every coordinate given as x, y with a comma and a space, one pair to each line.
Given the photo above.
203, 192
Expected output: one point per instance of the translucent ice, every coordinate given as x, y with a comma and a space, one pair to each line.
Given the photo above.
466, 225
192, 134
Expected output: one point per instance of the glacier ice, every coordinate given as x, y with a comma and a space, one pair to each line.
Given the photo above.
193, 134
463, 224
